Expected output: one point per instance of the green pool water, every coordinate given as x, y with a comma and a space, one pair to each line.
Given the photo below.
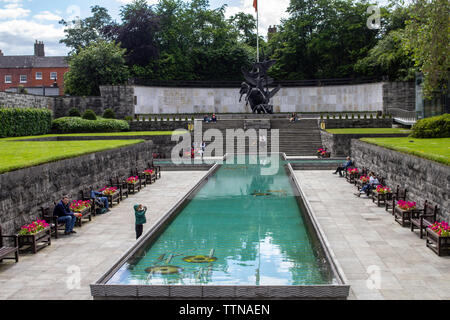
241, 228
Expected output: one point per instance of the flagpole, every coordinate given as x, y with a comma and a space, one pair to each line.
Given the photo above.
257, 33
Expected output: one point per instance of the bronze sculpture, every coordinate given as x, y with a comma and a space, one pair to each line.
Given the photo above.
256, 87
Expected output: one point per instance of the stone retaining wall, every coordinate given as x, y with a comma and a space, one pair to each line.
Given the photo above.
356, 123
340, 144
425, 179
23, 192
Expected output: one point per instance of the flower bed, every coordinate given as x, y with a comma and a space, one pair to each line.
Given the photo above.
80, 205
441, 228
33, 228
383, 189
108, 191
148, 172
132, 180
406, 205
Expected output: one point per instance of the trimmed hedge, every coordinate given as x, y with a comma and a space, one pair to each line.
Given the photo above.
74, 112
434, 127
19, 122
79, 125
109, 114
89, 114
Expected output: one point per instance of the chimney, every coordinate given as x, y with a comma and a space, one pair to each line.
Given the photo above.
39, 49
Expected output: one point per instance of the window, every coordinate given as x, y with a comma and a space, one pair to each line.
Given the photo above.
53, 75
8, 79
38, 75
23, 78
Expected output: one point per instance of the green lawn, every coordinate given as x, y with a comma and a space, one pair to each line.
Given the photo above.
99, 134
432, 149
368, 131
22, 154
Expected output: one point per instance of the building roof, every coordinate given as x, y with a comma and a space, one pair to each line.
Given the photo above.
25, 62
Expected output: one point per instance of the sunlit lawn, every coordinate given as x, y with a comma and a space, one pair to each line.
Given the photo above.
433, 149
368, 131
99, 134
17, 154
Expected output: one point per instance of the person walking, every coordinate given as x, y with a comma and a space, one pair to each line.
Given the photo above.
139, 213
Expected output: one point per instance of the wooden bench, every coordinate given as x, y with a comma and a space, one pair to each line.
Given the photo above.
47, 215
5, 251
85, 196
149, 178
399, 194
136, 186
111, 198
121, 185
156, 169
421, 219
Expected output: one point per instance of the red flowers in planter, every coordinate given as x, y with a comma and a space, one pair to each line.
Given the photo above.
33, 227
441, 228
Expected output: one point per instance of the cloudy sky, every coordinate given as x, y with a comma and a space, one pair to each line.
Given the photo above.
24, 21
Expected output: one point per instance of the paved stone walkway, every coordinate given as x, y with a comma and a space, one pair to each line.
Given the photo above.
53, 271
362, 235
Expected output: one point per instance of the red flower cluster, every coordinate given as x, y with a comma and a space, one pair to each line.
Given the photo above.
132, 179
33, 227
108, 191
80, 205
441, 228
406, 205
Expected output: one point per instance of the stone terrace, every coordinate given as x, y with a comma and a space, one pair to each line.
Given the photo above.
362, 235
97, 245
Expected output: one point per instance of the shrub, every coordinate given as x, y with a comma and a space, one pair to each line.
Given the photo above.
18, 122
365, 115
328, 116
359, 116
78, 125
434, 127
128, 118
74, 112
89, 114
346, 116
321, 116
371, 116
353, 116
334, 116
109, 114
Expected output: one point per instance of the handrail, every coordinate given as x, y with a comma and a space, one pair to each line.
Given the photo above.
405, 115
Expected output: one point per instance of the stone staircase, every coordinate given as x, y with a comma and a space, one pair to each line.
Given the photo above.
301, 138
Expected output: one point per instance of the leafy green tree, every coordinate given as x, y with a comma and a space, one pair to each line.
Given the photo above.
321, 39
100, 63
137, 33
80, 33
427, 38
245, 25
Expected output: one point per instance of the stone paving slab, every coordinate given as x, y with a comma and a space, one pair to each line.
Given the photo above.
54, 272
363, 236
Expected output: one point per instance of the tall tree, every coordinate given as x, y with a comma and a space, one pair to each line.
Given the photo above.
427, 38
100, 63
80, 33
137, 33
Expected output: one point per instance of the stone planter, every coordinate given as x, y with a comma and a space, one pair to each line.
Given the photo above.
134, 187
440, 245
36, 241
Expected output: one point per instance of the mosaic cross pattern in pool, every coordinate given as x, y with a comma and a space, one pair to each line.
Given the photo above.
241, 228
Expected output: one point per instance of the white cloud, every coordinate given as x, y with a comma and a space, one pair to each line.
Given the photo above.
13, 11
47, 16
270, 12
150, 2
18, 36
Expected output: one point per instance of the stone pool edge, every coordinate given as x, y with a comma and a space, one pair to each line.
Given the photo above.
100, 290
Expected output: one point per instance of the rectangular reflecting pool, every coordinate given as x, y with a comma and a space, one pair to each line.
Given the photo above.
238, 232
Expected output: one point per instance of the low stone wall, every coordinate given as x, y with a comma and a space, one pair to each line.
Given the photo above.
19, 100
356, 123
425, 179
24, 191
158, 125
340, 144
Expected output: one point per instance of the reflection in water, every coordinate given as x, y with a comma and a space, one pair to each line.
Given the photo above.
251, 239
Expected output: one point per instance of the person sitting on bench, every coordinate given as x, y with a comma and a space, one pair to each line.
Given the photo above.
62, 211
99, 195
373, 181
344, 167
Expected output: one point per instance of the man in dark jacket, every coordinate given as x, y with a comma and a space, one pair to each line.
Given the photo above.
344, 167
62, 211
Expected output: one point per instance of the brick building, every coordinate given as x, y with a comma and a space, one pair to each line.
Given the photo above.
37, 74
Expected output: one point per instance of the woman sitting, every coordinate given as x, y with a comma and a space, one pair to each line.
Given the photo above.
373, 182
